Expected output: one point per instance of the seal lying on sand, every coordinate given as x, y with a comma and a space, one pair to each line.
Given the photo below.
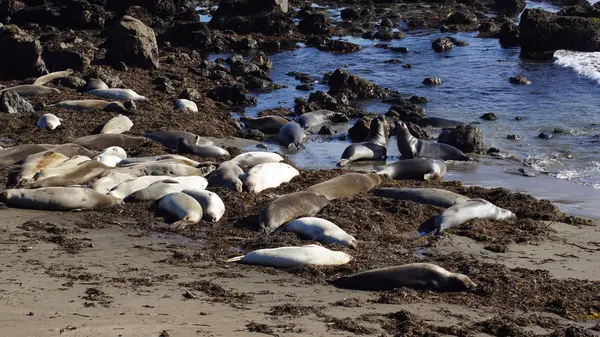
318, 117
203, 151
104, 140
414, 275
88, 104
373, 148
57, 199
15, 154
227, 175
290, 207
250, 159
321, 230
267, 124
290, 257
346, 185
422, 195
414, 169
411, 147
53, 76
48, 121
268, 175
117, 93
212, 205
26, 90
184, 207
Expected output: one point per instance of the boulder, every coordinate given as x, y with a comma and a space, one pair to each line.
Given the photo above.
63, 56
442, 44
509, 7
335, 46
259, 16
41, 15
466, 138
232, 94
262, 60
315, 24
190, 94
360, 130
462, 18
356, 14
12, 103
132, 42
20, 54
585, 10
405, 110
509, 35
354, 87
432, 81
518, 79
489, 116
195, 34
324, 100
8, 8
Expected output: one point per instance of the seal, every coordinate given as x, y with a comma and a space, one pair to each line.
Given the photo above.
435, 122
27, 90
227, 175
267, 124
465, 211
184, 207
289, 207
202, 151
117, 93
117, 125
373, 148
95, 83
36, 163
106, 184
321, 230
104, 140
109, 160
132, 185
268, 175
61, 169
318, 117
170, 138
291, 135
411, 147
159, 189
81, 174
290, 257
53, 76
251, 159
346, 185
114, 151
16, 154
212, 205
186, 104
414, 169
57, 199
48, 121
424, 276
162, 168
164, 157
89, 104
422, 195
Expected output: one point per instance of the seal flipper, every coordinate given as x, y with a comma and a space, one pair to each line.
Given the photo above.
342, 162
235, 259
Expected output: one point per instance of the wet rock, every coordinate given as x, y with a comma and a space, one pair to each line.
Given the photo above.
246, 43
354, 87
462, 18
360, 130
260, 16
324, 100
558, 130
405, 110
302, 77
20, 54
518, 118
489, 116
418, 99
466, 138
132, 42
513, 137
326, 130
234, 94
261, 84
544, 135
386, 23
262, 60
315, 24
12, 103
442, 44
544, 32
63, 56
432, 81
195, 34
407, 66
509, 35
335, 46
518, 79
275, 112
305, 87
356, 14
190, 94
510, 7
402, 50
244, 68
585, 10
384, 33
278, 46
251, 134
393, 61
416, 131
302, 106
74, 82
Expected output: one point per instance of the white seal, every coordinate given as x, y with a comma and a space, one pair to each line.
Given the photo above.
115, 151
118, 124
321, 230
184, 207
251, 159
289, 257
120, 94
164, 157
269, 175
130, 186
212, 205
470, 209
48, 121
182, 104
161, 188
104, 185
109, 160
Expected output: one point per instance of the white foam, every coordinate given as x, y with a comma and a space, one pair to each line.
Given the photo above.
584, 63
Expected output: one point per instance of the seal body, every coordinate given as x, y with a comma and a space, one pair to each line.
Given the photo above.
104, 140
470, 209
48, 121
161, 188
212, 205
182, 104
159, 158
321, 230
81, 174
268, 175
422, 195
346, 185
26, 90
435, 122
267, 124
129, 186
91, 104
414, 275
36, 163
373, 148
118, 124
95, 83
291, 135
290, 257
411, 147
162, 169
417, 169
106, 184
61, 169
114, 151
184, 207
318, 117
204, 151
109, 160
57, 199
289, 207
170, 138
227, 175
53, 76
15, 154
250, 159
117, 93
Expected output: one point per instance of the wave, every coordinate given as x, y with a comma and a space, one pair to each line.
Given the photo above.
586, 64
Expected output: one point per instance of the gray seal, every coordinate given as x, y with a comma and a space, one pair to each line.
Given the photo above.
319, 117
15, 154
204, 151
423, 195
373, 148
227, 175
291, 135
436, 122
170, 138
104, 140
411, 147
289, 207
267, 124
346, 185
414, 169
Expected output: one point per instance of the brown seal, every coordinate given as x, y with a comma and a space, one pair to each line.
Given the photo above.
290, 207
102, 141
346, 185
81, 174
15, 154
58, 198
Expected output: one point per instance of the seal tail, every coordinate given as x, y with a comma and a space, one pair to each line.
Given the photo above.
235, 259
342, 162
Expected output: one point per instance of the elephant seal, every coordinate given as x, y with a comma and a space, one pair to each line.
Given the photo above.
184, 207
36, 163
424, 276
114, 151
117, 125
48, 121
318, 117
212, 205
291, 135
162, 158
186, 104
411, 147
57, 199
227, 175
81, 174
117, 93
203, 151
132, 185
435, 122
15, 154
95, 83
61, 169
162, 169
417, 169
170, 138
106, 184
88, 104
422, 195
159, 189
109, 160
373, 148
27, 90
289, 207
465, 211
104, 140
321, 230
346, 185
268, 175
53, 76
267, 124
290, 257
250, 159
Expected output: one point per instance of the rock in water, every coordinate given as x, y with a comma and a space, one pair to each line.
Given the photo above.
134, 43
442, 44
519, 80
12, 103
509, 35
432, 81
20, 54
315, 24
467, 138
510, 7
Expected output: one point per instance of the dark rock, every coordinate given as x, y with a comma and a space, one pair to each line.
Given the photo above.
513, 137
305, 87
8, 8
354, 87
74, 82
259, 16
462, 18
384, 33
278, 46
261, 84
442, 44
324, 100
246, 43
518, 118
80, 14
62, 56
164, 84
12, 103
275, 112
510, 7
416, 131
360, 130
544, 135
403, 50
326, 130
235, 58
244, 68
190, 94
134, 43
130, 105
405, 110
386, 23
584, 10
558, 130
466, 138
195, 34
302, 106
121, 66
519, 80
315, 24
432, 81
251, 134
262, 60
20, 54
356, 14
393, 61
418, 99
40, 15
336, 46
407, 66
104, 74
302, 77
489, 116
232, 94
509, 35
